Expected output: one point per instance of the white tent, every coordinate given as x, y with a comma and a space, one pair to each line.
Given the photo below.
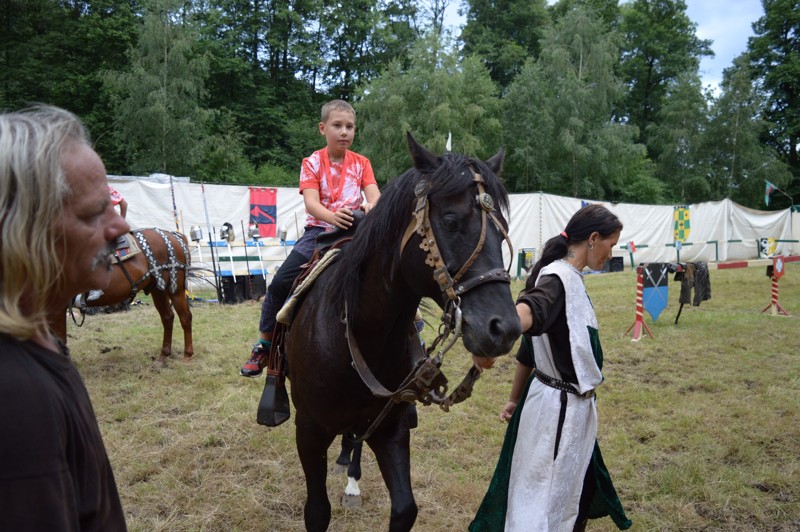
719, 231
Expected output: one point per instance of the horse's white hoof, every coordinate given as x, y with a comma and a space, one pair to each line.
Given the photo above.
351, 501
338, 469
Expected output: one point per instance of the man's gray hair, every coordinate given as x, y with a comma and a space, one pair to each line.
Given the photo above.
33, 189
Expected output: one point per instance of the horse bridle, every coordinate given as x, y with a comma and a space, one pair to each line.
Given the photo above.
426, 383
421, 225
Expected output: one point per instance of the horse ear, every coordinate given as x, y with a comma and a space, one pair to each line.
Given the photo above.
424, 160
495, 163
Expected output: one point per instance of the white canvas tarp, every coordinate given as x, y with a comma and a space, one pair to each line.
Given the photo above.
720, 230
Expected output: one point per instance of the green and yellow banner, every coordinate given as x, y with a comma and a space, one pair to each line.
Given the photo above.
682, 223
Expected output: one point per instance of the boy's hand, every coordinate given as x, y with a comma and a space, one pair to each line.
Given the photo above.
366, 206
343, 218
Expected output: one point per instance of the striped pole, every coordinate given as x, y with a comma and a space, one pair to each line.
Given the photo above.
774, 306
639, 323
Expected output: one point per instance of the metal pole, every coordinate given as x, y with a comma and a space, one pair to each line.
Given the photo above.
174, 207
217, 280
247, 262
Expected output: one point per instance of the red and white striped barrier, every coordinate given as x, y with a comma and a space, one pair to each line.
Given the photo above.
777, 273
639, 323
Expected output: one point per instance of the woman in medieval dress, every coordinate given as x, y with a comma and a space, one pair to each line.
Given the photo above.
550, 475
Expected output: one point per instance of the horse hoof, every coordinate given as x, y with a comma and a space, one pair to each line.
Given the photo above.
159, 363
186, 359
338, 469
351, 501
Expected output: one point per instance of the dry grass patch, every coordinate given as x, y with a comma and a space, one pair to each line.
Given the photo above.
700, 426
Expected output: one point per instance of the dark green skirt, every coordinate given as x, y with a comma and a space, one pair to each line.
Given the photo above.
491, 516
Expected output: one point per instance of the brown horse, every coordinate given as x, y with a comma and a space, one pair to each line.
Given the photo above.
160, 269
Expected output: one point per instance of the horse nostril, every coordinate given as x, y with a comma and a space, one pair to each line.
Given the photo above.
503, 331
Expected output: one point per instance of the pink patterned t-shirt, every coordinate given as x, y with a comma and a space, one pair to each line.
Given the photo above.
333, 192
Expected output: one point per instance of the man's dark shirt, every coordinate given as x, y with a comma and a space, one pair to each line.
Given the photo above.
54, 470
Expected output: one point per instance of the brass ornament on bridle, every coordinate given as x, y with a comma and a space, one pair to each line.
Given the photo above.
485, 201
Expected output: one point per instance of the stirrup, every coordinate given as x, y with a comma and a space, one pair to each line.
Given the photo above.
273, 408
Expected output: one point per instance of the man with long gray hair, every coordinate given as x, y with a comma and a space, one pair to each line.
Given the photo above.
57, 233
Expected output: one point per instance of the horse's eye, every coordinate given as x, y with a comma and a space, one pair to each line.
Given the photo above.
450, 222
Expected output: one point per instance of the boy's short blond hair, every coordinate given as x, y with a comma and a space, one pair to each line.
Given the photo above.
336, 105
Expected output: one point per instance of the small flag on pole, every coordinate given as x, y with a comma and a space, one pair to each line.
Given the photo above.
631, 247
768, 190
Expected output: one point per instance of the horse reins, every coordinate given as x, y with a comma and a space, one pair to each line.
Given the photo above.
426, 382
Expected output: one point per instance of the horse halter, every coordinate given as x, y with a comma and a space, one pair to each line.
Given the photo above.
421, 225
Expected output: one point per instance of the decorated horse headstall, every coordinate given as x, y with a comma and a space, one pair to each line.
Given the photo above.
427, 383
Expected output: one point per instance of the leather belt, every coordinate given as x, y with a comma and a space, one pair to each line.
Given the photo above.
561, 385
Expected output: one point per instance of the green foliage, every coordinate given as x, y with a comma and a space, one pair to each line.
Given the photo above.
277, 176
558, 119
54, 52
504, 34
159, 114
775, 55
677, 132
230, 91
660, 44
738, 163
458, 98
608, 10
223, 153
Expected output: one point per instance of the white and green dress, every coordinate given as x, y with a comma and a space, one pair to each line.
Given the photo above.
550, 455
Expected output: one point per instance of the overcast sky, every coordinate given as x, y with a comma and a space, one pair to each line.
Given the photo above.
728, 23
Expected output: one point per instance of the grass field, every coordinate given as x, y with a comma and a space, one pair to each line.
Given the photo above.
700, 426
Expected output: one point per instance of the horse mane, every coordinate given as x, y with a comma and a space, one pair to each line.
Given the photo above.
377, 240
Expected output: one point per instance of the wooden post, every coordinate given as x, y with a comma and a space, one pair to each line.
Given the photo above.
639, 323
777, 273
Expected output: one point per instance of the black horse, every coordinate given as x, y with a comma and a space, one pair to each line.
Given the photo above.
435, 233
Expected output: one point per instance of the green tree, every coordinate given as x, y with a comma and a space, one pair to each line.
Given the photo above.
263, 106
53, 52
223, 159
503, 34
558, 117
457, 97
608, 10
159, 112
363, 37
775, 55
678, 136
738, 162
660, 44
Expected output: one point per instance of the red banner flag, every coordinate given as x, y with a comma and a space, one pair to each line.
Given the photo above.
264, 210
